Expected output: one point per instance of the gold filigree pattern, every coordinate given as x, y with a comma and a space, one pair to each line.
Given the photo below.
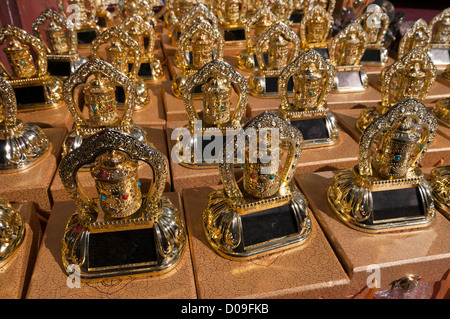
417, 36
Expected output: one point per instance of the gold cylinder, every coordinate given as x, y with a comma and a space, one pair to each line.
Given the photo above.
307, 87
20, 59
57, 38
100, 99
278, 53
116, 54
216, 101
202, 50
117, 182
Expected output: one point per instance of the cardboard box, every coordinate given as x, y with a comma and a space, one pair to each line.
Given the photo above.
310, 270
33, 183
157, 139
438, 154
54, 117
49, 280
376, 69
424, 252
15, 272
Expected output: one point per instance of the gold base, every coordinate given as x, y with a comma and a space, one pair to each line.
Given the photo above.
222, 224
351, 201
167, 227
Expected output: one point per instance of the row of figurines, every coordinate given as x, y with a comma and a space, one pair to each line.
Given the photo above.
130, 46
149, 232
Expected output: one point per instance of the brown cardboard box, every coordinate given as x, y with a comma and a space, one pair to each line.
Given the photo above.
310, 270
153, 114
33, 183
157, 139
376, 69
49, 280
424, 252
54, 117
15, 271
438, 153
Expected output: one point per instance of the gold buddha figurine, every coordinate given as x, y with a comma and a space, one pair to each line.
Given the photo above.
387, 191
232, 15
35, 88
21, 144
417, 36
442, 111
346, 50
283, 45
315, 30
218, 116
256, 25
328, 5
197, 46
122, 51
62, 56
141, 32
83, 14
411, 76
12, 231
440, 38
100, 80
439, 180
125, 231
233, 219
376, 23
313, 79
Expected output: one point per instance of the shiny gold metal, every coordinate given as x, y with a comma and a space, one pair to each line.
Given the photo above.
141, 31
122, 51
417, 36
313, 80
442, 111
83, 14
219, 81
376, 23
28, 71
122, 210
265, 185
100, 81
255, 27
315, 29
390, 151
328, 5
283, 46
346, 50
232, 15
282, 10
21, 144
105, 19
446, 73
440, 38
439, 180
12, 230
61, 36
203, 43
141, 8
411, 76
254, 5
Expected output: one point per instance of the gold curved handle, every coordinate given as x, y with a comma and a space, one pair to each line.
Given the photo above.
9, 104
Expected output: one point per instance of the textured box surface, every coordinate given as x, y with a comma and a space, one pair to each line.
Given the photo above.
49, 280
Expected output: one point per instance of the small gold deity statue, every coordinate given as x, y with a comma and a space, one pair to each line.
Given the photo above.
197, 46
186, 19
62, 56
125, 231
144, 34
376, 23
328, 5
232, 15
100, 81
439, 180
387, 191
315, 30
440, 38
313, 79
256, 25
283, 45
34, 87
21, 144
417, 36
442, 111
83, 14
265, 212
12, 230
346, 50
125, 54
218, 119
411, 76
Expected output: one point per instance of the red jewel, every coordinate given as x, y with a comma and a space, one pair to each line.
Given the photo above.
252, 176
109, 107
125, 196
281, 167
413, 155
